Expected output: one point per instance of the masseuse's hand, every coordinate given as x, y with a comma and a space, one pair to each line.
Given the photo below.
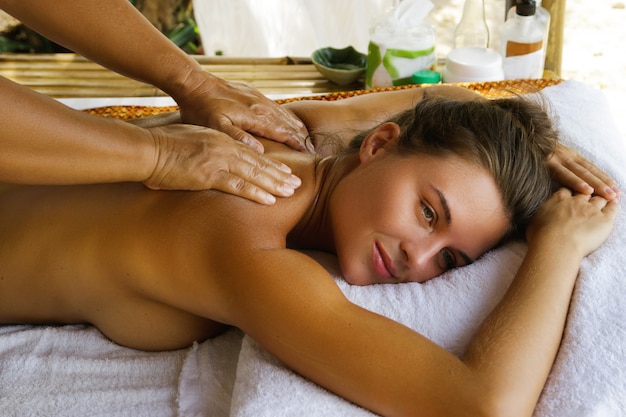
239, 111
580, 221
574, 171
195, 158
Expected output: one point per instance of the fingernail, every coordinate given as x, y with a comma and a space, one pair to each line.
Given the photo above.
254, 144
309, 146
294, 181
268, 198
609, 190
287, 189
283, 167
615, 189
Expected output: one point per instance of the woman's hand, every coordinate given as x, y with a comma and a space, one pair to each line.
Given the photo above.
239, 111
574, 171
580, 220
196, 158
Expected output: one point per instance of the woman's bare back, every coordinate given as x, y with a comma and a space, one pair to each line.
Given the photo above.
129, 260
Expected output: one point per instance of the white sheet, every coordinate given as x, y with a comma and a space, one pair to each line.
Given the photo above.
75, 371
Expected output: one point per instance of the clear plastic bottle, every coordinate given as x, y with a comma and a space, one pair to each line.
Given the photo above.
541, 14
523, 48
472, 30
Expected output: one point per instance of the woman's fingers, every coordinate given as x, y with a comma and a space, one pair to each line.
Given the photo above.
576, 172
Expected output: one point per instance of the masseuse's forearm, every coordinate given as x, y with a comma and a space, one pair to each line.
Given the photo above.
45, 142
516, 346
112, 33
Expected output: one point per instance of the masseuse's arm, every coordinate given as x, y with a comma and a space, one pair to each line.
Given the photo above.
341, 120
114, 34
45, 142
295, 310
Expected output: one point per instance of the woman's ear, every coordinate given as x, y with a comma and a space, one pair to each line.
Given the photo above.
379, 138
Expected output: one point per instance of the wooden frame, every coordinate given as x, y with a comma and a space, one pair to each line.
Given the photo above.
554, 50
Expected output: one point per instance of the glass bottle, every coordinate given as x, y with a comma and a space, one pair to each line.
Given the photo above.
472, 30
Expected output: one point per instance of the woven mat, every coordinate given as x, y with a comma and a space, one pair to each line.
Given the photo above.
494, 89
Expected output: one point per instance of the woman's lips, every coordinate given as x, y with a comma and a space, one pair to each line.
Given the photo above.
383, 266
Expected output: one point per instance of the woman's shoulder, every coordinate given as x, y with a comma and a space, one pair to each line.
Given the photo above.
249, 218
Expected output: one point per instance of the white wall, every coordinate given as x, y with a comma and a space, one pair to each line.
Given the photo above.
277, 28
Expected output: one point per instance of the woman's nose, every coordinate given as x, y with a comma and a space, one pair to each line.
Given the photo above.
420, 252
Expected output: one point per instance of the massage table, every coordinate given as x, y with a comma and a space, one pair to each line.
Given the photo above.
76, 371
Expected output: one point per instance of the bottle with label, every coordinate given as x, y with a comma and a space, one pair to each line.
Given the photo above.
541, 14
523, 43
472, 30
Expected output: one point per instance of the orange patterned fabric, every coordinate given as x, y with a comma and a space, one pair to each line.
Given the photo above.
488, 89
130, 112
493, 89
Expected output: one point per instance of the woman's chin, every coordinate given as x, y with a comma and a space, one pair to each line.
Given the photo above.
354, 279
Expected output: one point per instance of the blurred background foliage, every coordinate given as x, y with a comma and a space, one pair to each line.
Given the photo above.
174, 18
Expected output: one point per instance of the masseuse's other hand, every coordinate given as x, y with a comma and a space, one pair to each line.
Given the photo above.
580, 221
191, 157
239, 111
574, 171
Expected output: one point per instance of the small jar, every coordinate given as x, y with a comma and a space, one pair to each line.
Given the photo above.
426, 77
473, 65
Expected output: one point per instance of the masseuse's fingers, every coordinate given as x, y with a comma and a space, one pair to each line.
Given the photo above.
240, 111
196, 158
574, 171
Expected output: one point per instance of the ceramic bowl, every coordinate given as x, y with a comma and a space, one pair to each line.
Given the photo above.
341, 66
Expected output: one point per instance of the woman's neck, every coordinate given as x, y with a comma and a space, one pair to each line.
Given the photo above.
314, 230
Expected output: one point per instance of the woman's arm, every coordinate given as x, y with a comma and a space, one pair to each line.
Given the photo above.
294, 309
342, 119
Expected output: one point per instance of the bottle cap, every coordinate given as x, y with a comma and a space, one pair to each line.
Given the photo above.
526, 7
426, 77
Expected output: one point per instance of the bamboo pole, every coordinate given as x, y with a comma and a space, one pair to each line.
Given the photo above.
554, 50
69, 75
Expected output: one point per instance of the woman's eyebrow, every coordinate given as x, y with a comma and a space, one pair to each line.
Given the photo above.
448, 217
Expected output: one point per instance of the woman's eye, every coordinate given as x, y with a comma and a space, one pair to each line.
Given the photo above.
428, 213
449, 262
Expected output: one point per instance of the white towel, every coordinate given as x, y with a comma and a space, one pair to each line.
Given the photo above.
76, 371
589, 376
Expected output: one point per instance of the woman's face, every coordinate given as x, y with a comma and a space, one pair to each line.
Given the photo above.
411, 218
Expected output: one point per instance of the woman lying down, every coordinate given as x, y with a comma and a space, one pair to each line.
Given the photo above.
432, 188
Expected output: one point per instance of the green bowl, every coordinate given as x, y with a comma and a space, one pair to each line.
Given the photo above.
341, 66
